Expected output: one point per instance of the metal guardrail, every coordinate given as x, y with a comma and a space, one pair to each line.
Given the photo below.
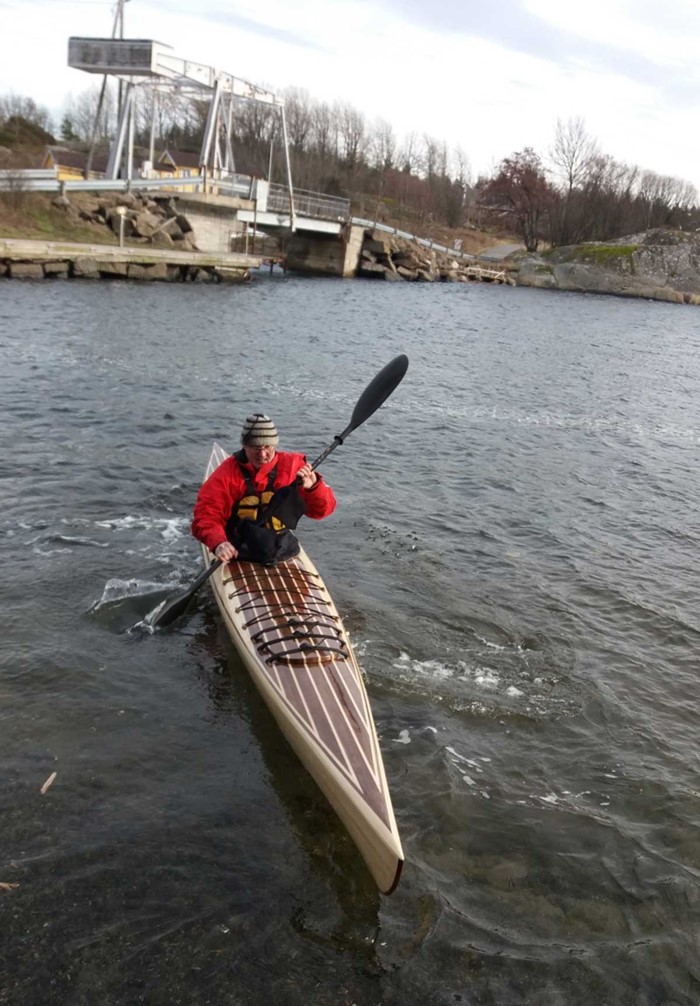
307, 204
46, 180
28, 180
424, 242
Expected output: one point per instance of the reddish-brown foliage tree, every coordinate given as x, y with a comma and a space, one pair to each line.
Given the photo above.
521, 194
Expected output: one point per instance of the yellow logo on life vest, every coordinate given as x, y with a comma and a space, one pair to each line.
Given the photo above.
250, 505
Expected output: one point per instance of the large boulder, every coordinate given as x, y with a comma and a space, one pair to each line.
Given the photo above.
86, 267
146, 224
114, 221
26, 270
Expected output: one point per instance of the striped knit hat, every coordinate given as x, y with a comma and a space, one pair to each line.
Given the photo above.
258, 431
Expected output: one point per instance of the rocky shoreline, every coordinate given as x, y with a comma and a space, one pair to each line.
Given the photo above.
393, 258
160, 246
659, 264
154, 221
656, 265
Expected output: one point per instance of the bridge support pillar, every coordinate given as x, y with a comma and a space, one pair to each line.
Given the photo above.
327, 254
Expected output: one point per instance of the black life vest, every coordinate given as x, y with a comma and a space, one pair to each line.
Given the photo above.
268, 543
248, 508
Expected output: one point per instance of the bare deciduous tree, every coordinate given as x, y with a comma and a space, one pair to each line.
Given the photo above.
573, 151
18, 106
82, 109
353, 135
299, 118
382, 146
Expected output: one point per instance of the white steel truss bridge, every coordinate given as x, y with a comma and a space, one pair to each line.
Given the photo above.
151, 65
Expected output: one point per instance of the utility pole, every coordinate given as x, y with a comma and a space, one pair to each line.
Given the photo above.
120, 18
118, 26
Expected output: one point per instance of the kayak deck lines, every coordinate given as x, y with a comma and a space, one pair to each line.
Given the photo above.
293, 632
261, 618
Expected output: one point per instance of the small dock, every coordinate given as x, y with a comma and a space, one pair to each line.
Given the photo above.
24, 259
485, 274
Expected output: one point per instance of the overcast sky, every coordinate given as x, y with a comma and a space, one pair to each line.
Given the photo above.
489, 76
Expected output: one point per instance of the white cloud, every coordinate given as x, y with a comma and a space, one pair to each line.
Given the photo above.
628, 69
670, 38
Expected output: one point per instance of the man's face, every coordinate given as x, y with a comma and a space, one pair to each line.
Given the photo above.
259, 456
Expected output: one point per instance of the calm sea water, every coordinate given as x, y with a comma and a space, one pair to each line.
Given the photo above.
515, 553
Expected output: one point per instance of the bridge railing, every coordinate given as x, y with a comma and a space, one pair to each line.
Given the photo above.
307, 204
424, 242
47, 180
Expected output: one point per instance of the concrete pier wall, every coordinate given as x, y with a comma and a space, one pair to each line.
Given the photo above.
24, 259
325, 254
213, 219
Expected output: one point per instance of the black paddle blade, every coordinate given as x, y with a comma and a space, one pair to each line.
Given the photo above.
374, 395
169, 610
173, 607
377, 391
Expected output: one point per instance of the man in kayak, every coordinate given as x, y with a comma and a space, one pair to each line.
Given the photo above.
229, 515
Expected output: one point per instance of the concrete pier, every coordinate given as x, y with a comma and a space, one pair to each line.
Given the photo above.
325, 254
24, 259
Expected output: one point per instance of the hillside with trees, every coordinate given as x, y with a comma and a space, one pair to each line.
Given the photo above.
584, 195
572, 193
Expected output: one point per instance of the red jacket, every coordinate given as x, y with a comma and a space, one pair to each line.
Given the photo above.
226, 486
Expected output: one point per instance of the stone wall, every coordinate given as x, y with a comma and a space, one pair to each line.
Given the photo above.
155, 222
85, 266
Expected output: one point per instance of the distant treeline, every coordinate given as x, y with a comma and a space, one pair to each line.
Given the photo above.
573, 193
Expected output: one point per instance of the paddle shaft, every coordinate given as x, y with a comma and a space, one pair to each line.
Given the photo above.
337, 441
204, 576
374, 395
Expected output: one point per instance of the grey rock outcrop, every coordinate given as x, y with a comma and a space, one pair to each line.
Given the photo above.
658, 265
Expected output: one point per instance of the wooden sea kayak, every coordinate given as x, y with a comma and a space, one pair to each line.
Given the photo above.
285, 626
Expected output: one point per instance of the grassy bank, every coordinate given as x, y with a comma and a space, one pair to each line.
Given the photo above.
32, 215
406, 218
